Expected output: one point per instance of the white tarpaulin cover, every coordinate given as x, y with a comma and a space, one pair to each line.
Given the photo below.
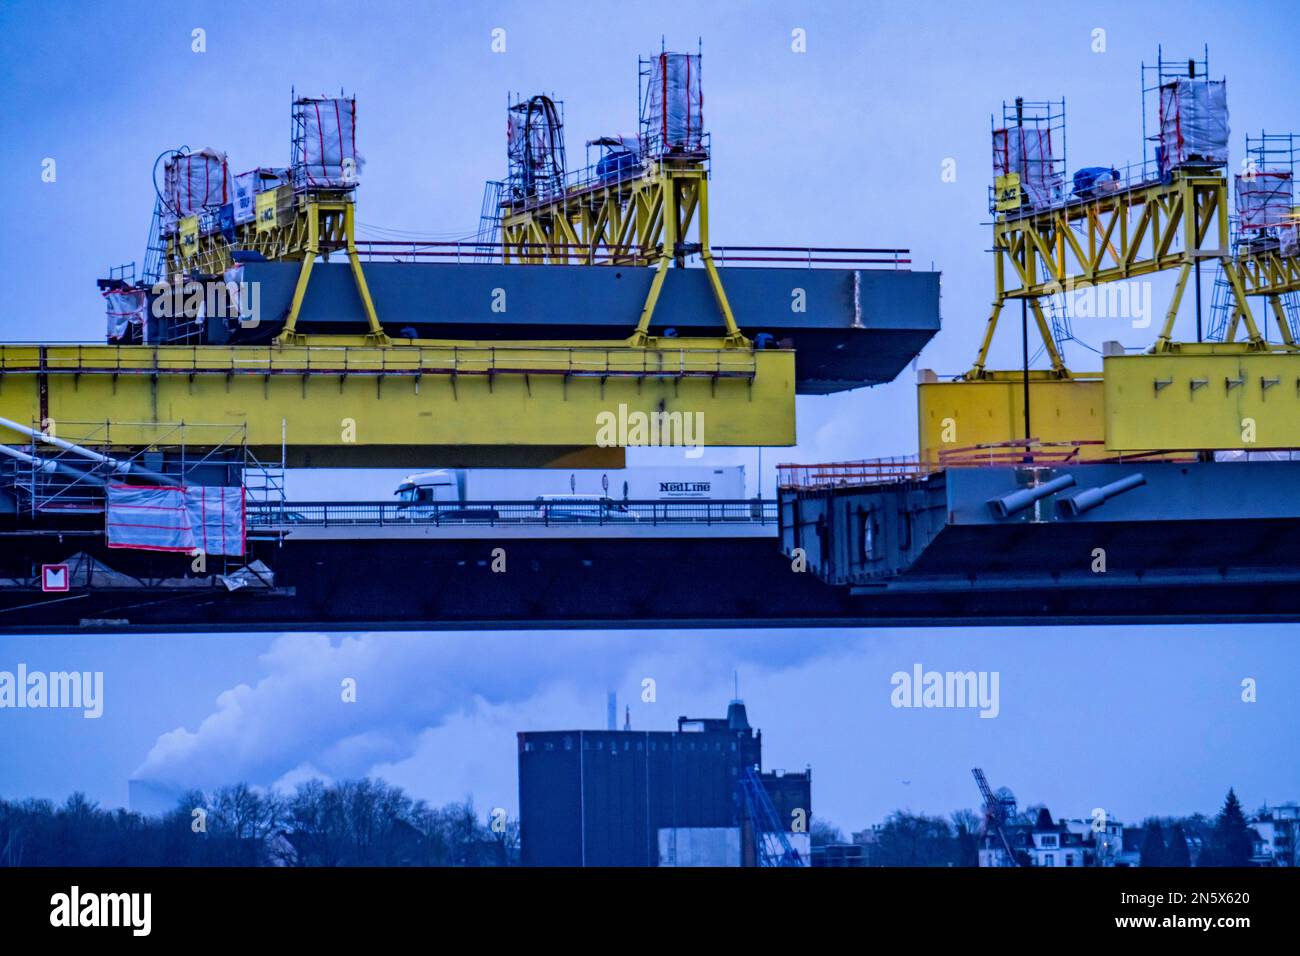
1027, 151
1264, 199
194, 182
1288, 238
1193, 122
125, 307
675, 103
248, 185
161, 518
328, 130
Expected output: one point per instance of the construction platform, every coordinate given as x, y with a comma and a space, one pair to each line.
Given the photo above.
849, 328
1133, 527
411, 403
915, 552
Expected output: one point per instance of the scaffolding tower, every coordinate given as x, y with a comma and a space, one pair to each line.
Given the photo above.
1154, 77
1265, 251
1168, 213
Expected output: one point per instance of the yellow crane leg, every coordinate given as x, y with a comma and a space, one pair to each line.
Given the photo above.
720, 296
977, 371
1058, 363
1167, 330
642, 332
706, 255
1284, 327
1255, 338
359, 277
289, 334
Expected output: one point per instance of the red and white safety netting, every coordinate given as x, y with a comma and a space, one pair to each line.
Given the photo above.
1193, 122
125, 308
1264, 198
196, 182
675, 104
176, 518
1027, 151
327, 138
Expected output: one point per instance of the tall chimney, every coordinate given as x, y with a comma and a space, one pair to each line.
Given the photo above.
612, 715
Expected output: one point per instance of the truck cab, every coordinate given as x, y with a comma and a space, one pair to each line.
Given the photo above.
443, 485
438, 496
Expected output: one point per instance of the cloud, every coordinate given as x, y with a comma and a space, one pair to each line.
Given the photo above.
292, 723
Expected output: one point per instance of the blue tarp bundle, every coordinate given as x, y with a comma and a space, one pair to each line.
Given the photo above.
1095, 180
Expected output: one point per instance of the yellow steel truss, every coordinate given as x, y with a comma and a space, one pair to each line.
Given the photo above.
1266, 273
1124, 235
294, 226
641, 220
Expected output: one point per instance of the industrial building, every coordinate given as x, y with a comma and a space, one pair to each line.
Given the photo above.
696, 796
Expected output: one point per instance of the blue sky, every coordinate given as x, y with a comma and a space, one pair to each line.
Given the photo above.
841, 145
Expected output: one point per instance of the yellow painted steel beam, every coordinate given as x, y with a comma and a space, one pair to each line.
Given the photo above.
960, 414
1269, 273
1210, 396
1124, 235
639, 220
417, 395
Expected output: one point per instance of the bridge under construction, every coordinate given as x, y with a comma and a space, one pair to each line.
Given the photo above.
142, 483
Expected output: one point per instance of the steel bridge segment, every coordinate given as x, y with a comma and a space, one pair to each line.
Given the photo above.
931, 570
849, 328
443, 399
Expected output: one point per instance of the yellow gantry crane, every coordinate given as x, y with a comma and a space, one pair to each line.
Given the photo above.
654, 212
1111, 237
372, 399
290, 226
645, 203
1113, 226
296, 214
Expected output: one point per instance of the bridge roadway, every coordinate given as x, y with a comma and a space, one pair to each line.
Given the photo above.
356, 568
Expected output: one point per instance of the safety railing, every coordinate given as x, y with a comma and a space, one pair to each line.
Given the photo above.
474, 251
1033, 451
629, 514
399, 360
1015, 452
1117, 179
869, 471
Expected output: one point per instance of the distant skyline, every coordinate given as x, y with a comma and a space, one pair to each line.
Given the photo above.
1141, 721
842, 145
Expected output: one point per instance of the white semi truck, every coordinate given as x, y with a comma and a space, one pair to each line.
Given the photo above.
629, 484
